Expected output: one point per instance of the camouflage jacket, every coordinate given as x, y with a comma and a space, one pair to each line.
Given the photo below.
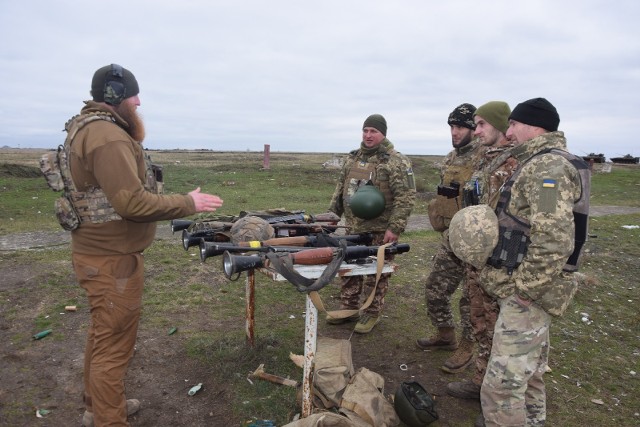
393, 172
495, 168
543, 194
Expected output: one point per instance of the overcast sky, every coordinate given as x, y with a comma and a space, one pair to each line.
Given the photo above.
302, 76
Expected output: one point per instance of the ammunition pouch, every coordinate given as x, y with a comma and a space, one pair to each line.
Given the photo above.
511, 249
67, 215
470, 197
435, 217
444, 206
555, 303
471, 192
50, 167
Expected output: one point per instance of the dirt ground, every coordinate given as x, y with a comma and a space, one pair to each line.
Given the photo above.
55, 366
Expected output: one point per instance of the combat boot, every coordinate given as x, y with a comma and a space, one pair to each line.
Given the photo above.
366, 323
464, 390
460, 359
445, 339
133, 406
339, 321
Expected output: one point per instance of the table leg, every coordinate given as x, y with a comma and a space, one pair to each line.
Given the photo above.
250, 289
310, 337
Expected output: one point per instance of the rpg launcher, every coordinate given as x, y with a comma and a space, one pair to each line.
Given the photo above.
297, 218
282, 244
308, 238
233, 264
312, 240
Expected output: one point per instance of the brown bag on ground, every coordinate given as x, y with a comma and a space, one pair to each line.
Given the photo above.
333, 368
326, 419
364, 396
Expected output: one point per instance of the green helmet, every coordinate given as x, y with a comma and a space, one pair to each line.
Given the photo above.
473, 234
414, 406
367, 202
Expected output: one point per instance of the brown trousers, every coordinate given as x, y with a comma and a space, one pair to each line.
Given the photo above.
114, 286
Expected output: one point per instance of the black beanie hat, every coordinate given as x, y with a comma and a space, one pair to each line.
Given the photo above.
113, 84
376, 121
462, 115
537, 112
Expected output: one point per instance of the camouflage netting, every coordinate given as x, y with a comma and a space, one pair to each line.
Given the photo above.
251, 228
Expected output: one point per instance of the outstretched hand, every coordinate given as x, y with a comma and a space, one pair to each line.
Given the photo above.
205, 202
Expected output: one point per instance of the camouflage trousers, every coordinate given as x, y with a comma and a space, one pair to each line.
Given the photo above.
446, 274
352, 287
513, 391
483, 316
352, 290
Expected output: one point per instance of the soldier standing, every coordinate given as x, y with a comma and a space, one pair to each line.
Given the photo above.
447, 271
546, 201
492, 121
116, 201
376, 162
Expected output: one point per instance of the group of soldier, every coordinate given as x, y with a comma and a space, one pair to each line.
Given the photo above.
112, 200
513, 162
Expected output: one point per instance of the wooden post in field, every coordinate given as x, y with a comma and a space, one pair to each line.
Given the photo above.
265, 160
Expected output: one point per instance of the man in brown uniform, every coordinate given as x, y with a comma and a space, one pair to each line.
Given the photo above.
116, 198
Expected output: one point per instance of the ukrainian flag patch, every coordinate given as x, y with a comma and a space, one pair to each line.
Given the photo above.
549, 183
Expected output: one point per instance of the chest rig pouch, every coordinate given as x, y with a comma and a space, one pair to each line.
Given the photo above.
92, 205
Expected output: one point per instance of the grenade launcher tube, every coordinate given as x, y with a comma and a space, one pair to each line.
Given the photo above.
232, 264
209, 249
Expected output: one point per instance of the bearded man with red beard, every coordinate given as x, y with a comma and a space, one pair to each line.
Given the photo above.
117, 197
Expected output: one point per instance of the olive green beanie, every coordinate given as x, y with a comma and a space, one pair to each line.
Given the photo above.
496, 113
376, 121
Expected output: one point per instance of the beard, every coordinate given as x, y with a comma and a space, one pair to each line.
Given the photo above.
464, 141
134, 120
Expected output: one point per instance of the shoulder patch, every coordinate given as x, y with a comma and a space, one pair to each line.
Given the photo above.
548, 195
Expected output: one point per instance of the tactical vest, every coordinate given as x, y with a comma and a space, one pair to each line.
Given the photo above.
514, 231
91, 205
475, 189
362, 172
450, 194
